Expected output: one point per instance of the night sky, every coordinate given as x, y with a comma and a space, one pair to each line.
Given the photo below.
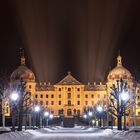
81, 36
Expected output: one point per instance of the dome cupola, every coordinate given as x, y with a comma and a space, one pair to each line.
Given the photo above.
119, 71
22, 72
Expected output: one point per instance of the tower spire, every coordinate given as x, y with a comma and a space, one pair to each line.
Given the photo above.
22, 57
119, 60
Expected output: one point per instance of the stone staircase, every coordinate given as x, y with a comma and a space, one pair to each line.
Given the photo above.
68, 122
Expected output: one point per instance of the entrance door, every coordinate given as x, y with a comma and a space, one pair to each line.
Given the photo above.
69, 112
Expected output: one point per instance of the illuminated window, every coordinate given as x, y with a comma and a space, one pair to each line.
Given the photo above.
47, 102
78, 102
78, 89
86, 102
78, 96
59, 95
41, 96
69, 95
69, 102
52, 96
69, 89
59, 102
86, 96
47, 95
7, 110
52, 102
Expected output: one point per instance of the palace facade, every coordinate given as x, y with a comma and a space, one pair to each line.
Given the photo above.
69, 94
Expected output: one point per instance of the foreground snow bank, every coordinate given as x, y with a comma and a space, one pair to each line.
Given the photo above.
77, 133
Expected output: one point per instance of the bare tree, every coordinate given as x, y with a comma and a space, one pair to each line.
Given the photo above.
117, 105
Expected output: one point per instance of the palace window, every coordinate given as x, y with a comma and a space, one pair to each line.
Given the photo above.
41, 102
30, 86
36, 96
86, 102
47, 95
78, 112
52, 96
59, 102
78, 89
92, 96
59, 89
69, 95
52, 102
86, 96
78, 96
47, 102
41, 96
7, 110
59, 112
59, 95
78, 102
69, 89
138, 97
138, 103
69, 102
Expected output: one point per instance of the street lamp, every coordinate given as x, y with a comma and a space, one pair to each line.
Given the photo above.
46, 114
90, 113
37, 110
125, 98
85, 116
14, 97
51, 116
100, 111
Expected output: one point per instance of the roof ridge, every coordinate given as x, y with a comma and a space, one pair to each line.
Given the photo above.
69, 80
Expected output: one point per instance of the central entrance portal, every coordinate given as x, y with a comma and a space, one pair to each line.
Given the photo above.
69, 112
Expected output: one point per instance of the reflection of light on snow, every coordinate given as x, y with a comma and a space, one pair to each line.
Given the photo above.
76, 133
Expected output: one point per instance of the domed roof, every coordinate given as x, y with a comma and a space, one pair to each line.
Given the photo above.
22, 72
119, 72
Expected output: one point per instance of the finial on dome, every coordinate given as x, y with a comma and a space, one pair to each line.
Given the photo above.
69, 73
119, 60
22, 57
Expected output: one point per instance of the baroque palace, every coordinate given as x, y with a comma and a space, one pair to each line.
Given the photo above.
69, 94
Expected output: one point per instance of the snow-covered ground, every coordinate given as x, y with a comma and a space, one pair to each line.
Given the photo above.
76, 133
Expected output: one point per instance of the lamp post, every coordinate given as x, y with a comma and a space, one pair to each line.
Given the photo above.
90, 115
125, 98
37, 110
14, 97
100, 111
46, 115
